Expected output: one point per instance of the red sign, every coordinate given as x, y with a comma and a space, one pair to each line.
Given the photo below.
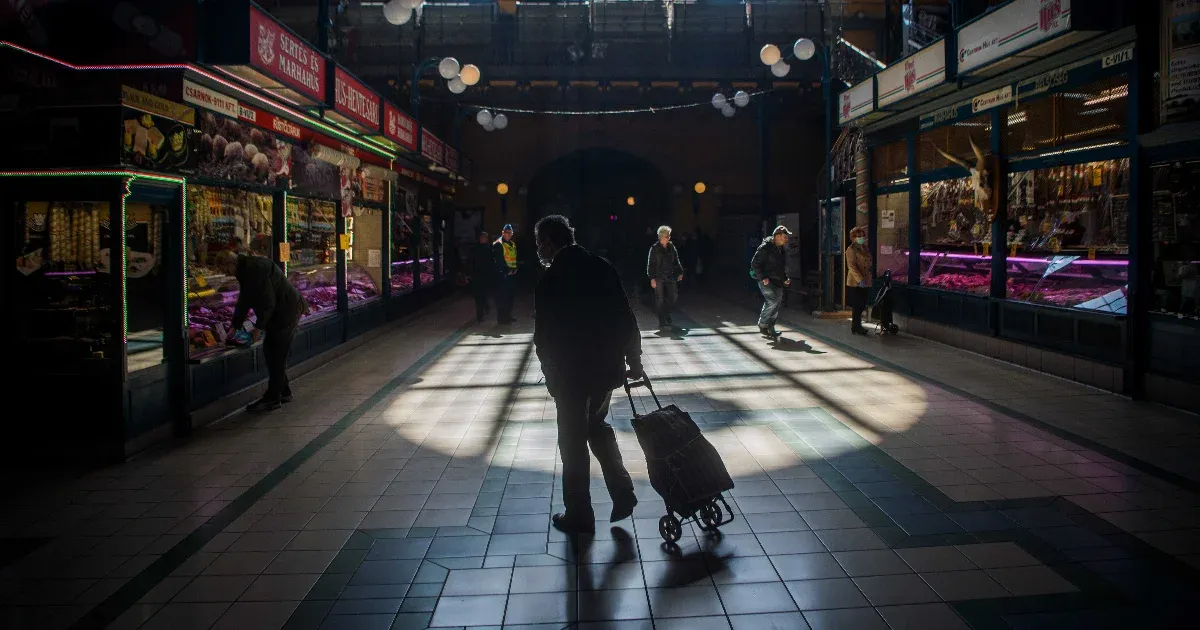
910, 74
399, 127
285, 57
432, 148
352, 98
1049, 13
267, 120
452, 158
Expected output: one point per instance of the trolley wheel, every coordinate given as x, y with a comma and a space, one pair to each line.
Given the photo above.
710, 515
670, 528
894, 329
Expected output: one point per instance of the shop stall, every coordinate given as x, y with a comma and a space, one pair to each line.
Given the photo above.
366, 242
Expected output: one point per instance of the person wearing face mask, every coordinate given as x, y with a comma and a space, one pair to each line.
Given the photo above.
858, 274
585, 334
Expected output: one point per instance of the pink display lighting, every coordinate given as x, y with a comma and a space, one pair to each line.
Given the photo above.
1101, 263
409, 262
71, 273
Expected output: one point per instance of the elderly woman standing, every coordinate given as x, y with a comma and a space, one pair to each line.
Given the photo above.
665, 271
858, 276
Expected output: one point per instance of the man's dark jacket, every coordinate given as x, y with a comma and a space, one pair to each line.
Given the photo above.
483, 265
584, 330
770, 262
663, 262
265, 290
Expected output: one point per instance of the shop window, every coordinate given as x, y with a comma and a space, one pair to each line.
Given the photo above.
892, 235
62, 294
889, 163
954, 140
364, 258
426, 247
955, 237
1096, 112
403, 220
1068, 235
312, 259
1176, 235
221, 223
145, 285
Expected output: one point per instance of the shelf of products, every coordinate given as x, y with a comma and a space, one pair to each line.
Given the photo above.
62, 302
954, 229
403, 219
218, 219
1176, 236
312, 261
425, 249
1085, 206
364, 258
892, 235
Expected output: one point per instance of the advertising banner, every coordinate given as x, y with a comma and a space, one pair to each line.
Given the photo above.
857, 101
924, 70
1009, 29
355, 100
276, 52
1181, 61
399, 127
432, 147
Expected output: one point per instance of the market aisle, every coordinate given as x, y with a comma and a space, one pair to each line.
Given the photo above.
412, 482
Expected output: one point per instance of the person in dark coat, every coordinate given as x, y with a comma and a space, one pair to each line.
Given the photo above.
504, 252
769, 268
483, 275
585, 334
278, 307
665, 271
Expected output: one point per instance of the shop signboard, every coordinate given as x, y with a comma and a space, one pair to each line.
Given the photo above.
992, 99
279, 53
432, 148
1013, 27
857, 102
1180, 61
156, 133
1110, 63
208, 98
399, 127
246, 41
355, 101
921, 71
452, 159
374, 190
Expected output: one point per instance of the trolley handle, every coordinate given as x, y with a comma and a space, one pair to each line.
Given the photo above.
642, 381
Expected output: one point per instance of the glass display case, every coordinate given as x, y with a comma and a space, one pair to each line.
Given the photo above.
425, 250
62, 307
145, 286
220, 222
404, 215
892, 235
955, 233
1176, 236
364, 258
312, 257
1068, 235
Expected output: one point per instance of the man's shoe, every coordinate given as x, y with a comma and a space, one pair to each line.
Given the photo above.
570, 525
264, 405
285, 399
775, 333
623, 508
859, 330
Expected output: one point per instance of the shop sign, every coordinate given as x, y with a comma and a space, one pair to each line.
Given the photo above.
1116, 58
452, 159
432, 148
374, 190
201, 96
857, 101
280, 54
989, 100
399, 127
270, 121
1011, 28
944, 115
158, 106
915, 74
1181, 61
355, 100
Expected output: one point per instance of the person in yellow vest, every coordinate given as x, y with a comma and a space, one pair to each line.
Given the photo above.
505, 250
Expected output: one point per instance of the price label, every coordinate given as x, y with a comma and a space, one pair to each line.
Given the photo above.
987, 249
343, 241
1012, 250
1097, 177
201, 281
1091, 253
285, 252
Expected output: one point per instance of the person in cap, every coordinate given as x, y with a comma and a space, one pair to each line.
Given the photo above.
769, 269
664, 269
585, 334
505, 254
858, 277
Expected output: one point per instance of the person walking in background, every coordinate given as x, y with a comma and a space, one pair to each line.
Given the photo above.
858, 277
278, 307
665, 271
769, 269
483, 275
585, 334
504, 253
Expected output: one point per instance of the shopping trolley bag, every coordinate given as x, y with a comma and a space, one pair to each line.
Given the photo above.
685, 469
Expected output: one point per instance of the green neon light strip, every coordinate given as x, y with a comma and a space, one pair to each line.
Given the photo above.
184, 266
124, 265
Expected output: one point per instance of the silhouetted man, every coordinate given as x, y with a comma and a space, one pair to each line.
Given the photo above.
278, 307
505, 255
665, 271
483, 275
585, 334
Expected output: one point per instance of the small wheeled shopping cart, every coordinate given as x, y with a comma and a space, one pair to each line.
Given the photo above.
684, 468
881, 305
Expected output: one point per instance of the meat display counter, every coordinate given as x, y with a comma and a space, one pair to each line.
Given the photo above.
312, 258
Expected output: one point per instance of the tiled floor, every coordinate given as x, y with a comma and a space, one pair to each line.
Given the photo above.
880, 483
